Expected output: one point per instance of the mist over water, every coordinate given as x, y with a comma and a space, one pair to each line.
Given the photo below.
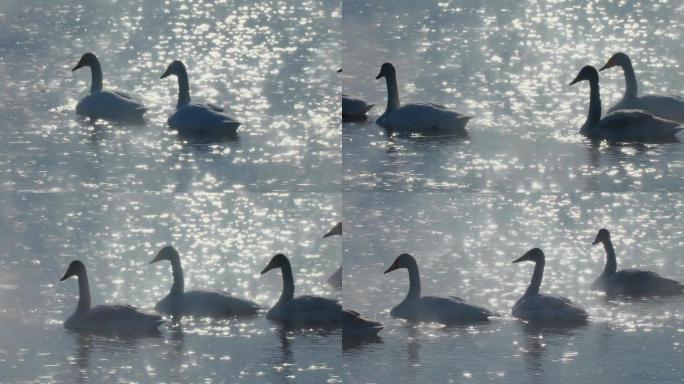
509, 64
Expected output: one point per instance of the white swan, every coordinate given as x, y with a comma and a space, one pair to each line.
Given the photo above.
421, 117
630, 282
667, 107
104, 104
429, 308
335, 280
356, 326
301, 310
622, 125
537, 307
196, 119
104, 318
197, 303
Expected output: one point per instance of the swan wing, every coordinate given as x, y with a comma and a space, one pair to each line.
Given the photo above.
353, 324
200, 118
637, 126
206, 304
118, 318
353, 107
549, 308
667, 107
424, 117
442, 310
110, 106
638, 282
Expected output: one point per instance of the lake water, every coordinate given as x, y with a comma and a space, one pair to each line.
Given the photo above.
271, 65
509, 64
225, 240
464, 245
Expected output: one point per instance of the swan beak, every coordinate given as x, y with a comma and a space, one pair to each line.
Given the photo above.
596, 241
521, 258
393, 267
67, 275
166, 74
609, 64
577, 80
79, 65
156, 259
268, 268
379, 75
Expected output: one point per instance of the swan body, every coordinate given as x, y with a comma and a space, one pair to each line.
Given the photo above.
105, 104
541, 308
622, 125
630, 282
335, 280
353, 108
447, 310
666, 107
104, 318
300, 310
196, 119
420, 117
355, 325
197, 303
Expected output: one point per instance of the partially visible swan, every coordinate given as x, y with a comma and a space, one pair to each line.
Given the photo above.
196, 119
353, 108
355, 325
623, 125
197, 303
630, 282
335, 280
301, 310
429, 308
104, 104
667, 107
537, 307
420, 117
104, 318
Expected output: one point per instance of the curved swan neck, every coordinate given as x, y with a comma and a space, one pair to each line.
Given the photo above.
414, 283
96, 71
536, 281
594, 104
630, 80
288, 283
83, 292
183, 88
611, 260
178, 281
392, 93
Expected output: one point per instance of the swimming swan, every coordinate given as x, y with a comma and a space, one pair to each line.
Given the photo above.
623, 125
353, 108
429, 308
104, 318
421, 117
196, 119
630, 282
356, 326
667, 107
335, 280
537, 307
301, 310
104, 104
197, 303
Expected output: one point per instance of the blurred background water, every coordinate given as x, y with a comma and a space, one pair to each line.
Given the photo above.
508, 63
225, 240
464, 245
270, 64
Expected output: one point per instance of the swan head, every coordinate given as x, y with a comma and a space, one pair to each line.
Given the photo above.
87, 60
387, 70
277, 261
402, 261
618, 59
75, 269
603, 236
175, 68
588, 73
337, 230
167, 253
534, 254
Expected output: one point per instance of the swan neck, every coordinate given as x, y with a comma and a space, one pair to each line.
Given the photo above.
594, 104
288, 284
392, 93
83, 293
611, 260
96, 72
536, 281
630, 80
178, 281
183, 88
414, 283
